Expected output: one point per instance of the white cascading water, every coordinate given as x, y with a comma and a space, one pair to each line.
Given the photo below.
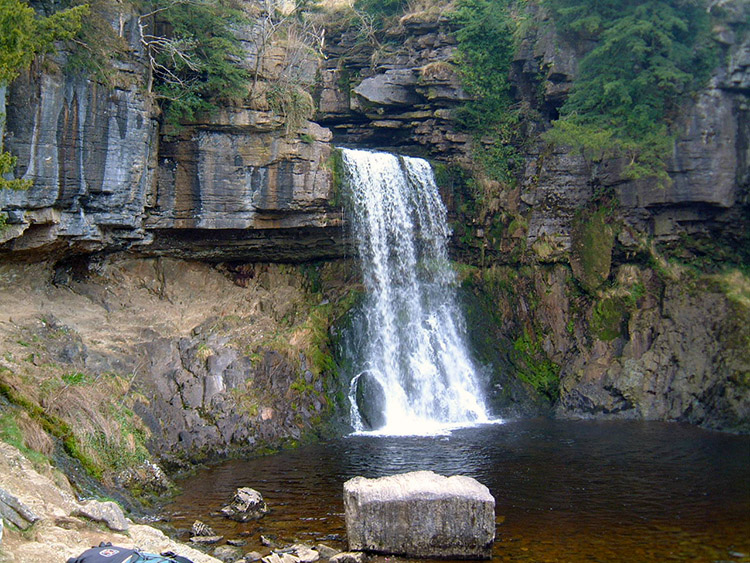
414, 340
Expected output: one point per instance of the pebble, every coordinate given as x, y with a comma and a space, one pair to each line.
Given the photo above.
206, 540
238, 543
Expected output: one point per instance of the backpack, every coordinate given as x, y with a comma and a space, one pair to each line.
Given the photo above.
108, 553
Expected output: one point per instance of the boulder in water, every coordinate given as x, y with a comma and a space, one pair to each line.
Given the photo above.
247, 504
420, 514
370, 397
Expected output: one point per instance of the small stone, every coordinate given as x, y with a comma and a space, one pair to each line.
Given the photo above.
280, 558
325, 551
206, 540
349, 557
247, 504
268, 541
200, 529
228, 553
305, 553
253, 556
238, 543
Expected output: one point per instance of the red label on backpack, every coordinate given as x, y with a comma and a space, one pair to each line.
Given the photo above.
109, 552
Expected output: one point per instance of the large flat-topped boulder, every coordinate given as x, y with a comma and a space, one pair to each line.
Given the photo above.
420, 514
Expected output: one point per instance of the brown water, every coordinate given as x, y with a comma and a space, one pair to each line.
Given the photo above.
566, 491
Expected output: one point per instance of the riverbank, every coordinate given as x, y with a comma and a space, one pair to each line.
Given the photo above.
60, 530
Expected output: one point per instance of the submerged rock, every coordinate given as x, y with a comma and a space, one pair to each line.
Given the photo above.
228, 553
247, 504
420, 514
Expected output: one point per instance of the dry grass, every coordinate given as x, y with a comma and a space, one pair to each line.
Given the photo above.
34, 436
736, 284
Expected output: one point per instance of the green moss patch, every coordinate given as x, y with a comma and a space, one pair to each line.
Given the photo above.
592, 240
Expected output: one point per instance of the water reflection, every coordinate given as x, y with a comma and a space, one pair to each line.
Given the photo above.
565, 491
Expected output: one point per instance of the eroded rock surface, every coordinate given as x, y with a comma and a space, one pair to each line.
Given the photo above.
420, 514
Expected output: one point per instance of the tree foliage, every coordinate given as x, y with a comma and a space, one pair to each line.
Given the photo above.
23, 35
647, 57
485, 32
195, 54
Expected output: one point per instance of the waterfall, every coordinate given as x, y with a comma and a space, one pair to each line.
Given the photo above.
414, 373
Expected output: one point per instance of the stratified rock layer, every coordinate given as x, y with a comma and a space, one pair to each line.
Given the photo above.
420, 514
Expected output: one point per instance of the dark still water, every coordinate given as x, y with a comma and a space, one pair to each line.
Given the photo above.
565, 490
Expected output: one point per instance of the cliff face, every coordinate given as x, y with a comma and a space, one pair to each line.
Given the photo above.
583, 307
580, 310
238, 187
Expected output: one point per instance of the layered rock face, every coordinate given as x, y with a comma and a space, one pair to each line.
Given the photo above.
401, 101
88, 149
709, 170
420, 514
241, 185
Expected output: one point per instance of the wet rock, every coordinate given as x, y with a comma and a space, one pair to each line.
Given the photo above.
237, 543
247, 504
108, 512
148, 477
228, 553
349, 557
199, 529
206, 540
420, 514
370, 397
253, 556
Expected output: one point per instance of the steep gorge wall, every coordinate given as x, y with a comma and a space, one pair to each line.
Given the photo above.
570, 260
106, 176
582, 309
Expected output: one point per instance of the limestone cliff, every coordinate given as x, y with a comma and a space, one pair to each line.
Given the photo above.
577, 308
239, 185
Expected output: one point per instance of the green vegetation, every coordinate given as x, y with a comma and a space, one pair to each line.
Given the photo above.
647, 58
293, 103
195, 56
54, 426
608, 318
592, 240
534, 367
485, 31
23, 36
11, 433
335, 163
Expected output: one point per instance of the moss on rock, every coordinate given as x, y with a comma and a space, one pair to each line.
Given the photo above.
592, 240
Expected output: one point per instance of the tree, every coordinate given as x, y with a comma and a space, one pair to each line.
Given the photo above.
194, 55
647, 57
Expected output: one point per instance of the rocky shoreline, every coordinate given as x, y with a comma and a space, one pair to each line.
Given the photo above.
43, 520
